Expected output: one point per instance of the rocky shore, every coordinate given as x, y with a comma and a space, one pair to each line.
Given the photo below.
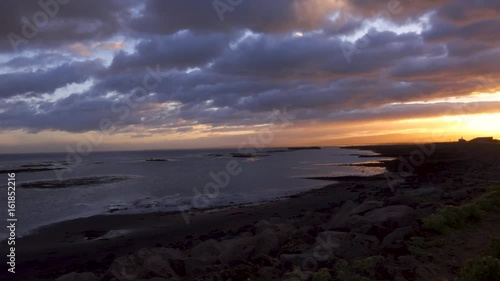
361, 228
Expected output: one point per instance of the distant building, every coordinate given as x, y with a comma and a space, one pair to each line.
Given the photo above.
484, 140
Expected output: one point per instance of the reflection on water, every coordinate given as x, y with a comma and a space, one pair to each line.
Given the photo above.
154, 185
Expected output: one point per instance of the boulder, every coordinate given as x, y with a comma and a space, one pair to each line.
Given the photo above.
291, 261
194, 265
458, 195
391, 216
208, 250
262, 225
124, 269
390, 241
370, 241
337, 234
358, 224
325, 246
367, 206
408, 262
256, 246
361, 245
428, 272
424, 192
341, 216
162, 262
159, 265
266, 243
269, 273
401, 199
73, 276
236, 249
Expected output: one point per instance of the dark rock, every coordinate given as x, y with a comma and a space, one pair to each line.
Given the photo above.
408, 262
73, 276
161, 262
208, 250
399, 234
391, 216
459, 195
264, 243
341, 217
367, 206
358, 224
362, 245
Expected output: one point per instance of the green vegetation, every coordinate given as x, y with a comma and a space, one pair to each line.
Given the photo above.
426, 243
322, 275
354, 271
418, 246
295, 275
481, 269
452, 217
494, 249
486, 267
368, 266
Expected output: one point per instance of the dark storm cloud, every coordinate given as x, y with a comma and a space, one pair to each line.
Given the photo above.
47, 81
463, 11
396, 10
262, 55
480, 31
51, 23
444, 68
316, 56
180, 50
258, 15
33, 61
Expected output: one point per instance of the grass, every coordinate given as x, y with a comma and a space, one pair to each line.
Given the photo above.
418, 246
481, 269
322, 275
368, 266
486, 267
452, 217
295, 275
494, 249
357, 269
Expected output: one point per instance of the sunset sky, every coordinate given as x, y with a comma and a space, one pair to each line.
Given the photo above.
193, 74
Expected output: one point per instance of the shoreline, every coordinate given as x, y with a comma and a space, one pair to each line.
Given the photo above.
176, 209
61, 242
74, 246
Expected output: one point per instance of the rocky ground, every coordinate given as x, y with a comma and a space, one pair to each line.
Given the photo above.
368, 228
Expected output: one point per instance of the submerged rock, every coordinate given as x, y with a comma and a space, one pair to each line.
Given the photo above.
73, 182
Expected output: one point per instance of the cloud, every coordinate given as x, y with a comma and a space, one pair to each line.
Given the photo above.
28, 24
47, 81
219, 75
166, 17
180, 50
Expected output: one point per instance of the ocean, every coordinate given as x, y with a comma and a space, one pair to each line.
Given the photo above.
51, 187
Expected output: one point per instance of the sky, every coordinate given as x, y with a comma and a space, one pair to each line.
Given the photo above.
129, 75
